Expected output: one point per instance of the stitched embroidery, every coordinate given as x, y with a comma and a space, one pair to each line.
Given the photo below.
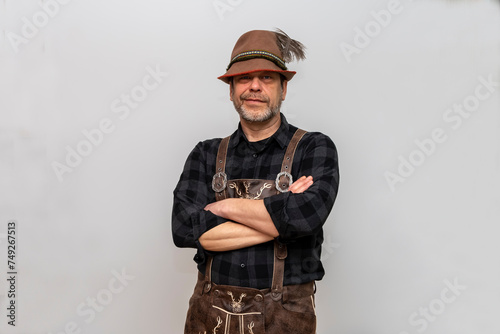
265, 186
232, 313
219, 322
233, 185
247, 194
228, 322
250, 326
237, 305
214, 331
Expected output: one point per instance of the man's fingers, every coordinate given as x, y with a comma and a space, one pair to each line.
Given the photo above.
301, 182
295, 185
301, 185
211, 207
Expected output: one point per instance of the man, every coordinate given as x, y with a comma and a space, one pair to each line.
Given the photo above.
257, 233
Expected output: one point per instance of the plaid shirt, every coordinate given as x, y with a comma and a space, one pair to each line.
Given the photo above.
299, 218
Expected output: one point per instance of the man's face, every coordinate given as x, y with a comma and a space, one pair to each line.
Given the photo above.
257, 96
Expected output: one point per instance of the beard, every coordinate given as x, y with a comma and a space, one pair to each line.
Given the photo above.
249, 115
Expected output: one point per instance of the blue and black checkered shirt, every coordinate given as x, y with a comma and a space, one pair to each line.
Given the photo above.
299, 218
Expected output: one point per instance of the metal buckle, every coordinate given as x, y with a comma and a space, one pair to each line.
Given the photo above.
217, 185
278, 186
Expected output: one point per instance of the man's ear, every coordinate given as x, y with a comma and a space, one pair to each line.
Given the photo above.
283, 87
231, 90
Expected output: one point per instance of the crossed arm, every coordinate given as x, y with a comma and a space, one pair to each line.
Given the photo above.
248, 223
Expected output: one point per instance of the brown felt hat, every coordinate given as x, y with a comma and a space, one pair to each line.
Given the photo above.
263, 50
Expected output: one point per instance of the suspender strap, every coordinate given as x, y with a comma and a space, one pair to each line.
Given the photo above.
280, 253
280, 250
284, 178
219, 181
208, 273
219, 184
286, 166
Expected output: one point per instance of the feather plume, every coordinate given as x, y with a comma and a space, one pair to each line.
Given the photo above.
290, 48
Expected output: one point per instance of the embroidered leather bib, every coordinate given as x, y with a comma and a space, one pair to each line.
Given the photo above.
253, 188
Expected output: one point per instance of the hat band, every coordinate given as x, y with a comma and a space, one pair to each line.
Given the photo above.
247, 55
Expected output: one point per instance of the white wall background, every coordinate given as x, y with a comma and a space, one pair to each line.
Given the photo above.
387, 253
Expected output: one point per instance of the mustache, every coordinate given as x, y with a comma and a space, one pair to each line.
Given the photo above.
253, 96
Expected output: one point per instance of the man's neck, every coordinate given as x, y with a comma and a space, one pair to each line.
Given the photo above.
255, 131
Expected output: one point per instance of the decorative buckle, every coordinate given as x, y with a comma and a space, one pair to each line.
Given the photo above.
278, 186
217, 184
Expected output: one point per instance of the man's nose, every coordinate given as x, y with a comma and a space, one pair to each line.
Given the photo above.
255, 86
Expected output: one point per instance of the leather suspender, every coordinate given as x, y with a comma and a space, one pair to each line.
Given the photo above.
286, 166
219, 181
208, 275
280, 251
283, 181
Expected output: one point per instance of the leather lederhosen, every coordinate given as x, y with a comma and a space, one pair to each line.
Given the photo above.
228, 309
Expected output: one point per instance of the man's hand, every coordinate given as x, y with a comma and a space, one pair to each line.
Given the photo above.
301, 185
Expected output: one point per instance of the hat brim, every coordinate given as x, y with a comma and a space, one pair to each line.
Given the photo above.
254, 65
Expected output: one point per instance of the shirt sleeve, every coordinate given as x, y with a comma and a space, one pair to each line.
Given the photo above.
191, 195
298, 215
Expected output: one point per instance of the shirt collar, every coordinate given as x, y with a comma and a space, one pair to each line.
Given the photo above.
281, 135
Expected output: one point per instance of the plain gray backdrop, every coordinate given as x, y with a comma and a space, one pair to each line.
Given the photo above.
92, 145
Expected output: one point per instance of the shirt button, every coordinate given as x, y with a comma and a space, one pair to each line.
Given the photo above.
255, 155
242, 265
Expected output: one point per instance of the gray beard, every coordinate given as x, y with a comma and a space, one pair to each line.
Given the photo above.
268, 114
